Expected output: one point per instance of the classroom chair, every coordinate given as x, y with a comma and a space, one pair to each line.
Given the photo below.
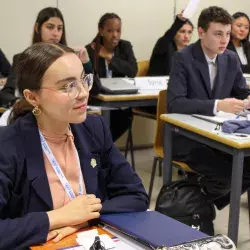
159, 142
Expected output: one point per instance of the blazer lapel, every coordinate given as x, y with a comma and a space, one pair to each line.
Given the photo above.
34, 159
89, 157
202, 67
220, 76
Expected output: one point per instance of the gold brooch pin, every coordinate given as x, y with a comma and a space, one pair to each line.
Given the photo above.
93, 163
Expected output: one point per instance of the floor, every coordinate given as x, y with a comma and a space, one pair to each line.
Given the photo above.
144, 161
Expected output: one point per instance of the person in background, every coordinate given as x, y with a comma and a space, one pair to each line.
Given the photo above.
113, 57
239, 41
59, 168
49, 27
5, 68
175, 39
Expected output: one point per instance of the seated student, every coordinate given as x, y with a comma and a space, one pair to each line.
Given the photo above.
206, 78
239, 41
59, 168
5, 68
49, 27
175, 39
113, 57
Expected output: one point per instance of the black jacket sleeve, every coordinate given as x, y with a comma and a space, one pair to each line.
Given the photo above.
5, 66
161, 58
124, 62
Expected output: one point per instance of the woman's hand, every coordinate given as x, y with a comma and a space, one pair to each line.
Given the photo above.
104, 53
61, 233
81, 209
83, 55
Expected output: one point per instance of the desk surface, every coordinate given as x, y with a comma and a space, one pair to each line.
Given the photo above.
203, 128
116, 98
67, 241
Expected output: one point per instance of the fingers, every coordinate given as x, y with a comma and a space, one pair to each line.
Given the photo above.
51, 235
96, 208
59, 237
94, 215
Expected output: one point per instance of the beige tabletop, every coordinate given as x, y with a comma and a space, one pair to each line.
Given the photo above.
204, 128
133, 97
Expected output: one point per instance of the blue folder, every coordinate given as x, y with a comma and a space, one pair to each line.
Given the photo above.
152, 228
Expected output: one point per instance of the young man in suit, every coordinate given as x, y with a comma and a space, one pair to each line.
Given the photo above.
206, 78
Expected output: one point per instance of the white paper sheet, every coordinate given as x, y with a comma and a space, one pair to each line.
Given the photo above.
190, 9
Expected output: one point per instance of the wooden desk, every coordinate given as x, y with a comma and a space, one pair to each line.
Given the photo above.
121, 101
67, 241
202, 131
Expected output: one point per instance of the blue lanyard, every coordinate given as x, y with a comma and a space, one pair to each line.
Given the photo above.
59, 171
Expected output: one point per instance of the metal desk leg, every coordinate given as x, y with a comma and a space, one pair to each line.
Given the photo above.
236, 188
167, 162
106, 116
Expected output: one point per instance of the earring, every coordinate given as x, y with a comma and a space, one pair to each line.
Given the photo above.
36, 111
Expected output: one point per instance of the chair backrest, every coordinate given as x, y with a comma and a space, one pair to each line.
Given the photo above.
161, 109
143, 67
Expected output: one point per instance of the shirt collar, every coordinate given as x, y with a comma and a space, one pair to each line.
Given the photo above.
209, 60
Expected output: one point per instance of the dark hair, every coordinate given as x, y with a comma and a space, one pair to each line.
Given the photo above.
189, 23
214, 14
43, 16
98, 38
245, 41
30, 69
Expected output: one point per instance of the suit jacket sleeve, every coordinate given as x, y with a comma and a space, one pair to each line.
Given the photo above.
124, 188
240, 88
177, 100
5, 66
17, 233
128, 66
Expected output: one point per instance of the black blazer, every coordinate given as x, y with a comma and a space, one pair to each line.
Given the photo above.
189, 90
7, 94
161, 58
245, 68
5, 66
122, 64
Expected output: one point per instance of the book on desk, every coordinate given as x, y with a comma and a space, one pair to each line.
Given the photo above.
152, 228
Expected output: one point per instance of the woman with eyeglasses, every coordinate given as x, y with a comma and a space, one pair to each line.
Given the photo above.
49, 27
239, 41
59, 168
112, 57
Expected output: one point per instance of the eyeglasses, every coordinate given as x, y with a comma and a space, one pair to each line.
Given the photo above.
73, 89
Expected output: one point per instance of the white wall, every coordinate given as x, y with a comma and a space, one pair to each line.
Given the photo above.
17, 19
144, 21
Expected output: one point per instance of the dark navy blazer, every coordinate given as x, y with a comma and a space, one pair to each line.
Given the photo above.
24, 189
189, 89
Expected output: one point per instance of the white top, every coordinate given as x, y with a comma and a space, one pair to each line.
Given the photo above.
212, 66
241, 55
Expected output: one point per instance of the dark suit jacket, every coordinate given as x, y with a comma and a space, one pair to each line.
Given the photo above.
122, 64
5, 66
161, 58
189, 90
245, 68
24, 189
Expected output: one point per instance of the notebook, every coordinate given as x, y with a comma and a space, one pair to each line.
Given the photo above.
152, 228
117, 86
